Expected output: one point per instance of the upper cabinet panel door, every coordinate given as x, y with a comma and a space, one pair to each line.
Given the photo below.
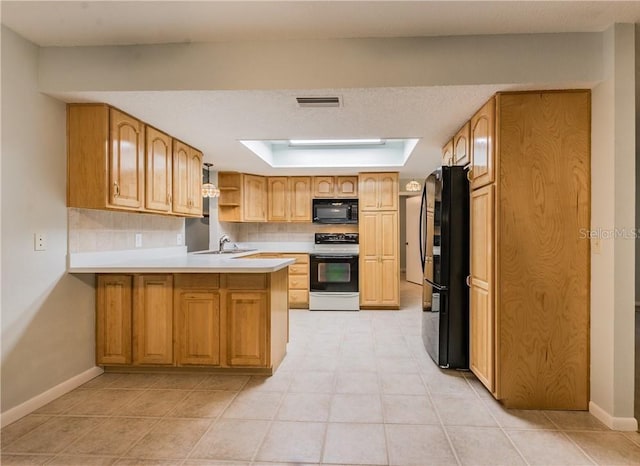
278, 199
323, 186
255, 198
461, 149
158, 168
447, 153
195, 182
368, 187
126, 174
300, 198
180, 177
347, 186
482, 145
388, 191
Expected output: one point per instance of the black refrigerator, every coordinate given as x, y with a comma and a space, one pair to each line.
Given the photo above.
444, 251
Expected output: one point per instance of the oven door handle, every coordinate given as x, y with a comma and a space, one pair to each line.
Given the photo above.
334, 256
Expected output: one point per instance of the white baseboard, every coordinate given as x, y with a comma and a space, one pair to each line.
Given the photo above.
628, 424
42, 399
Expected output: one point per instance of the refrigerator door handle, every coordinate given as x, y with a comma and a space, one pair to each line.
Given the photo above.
422, 234
437, 287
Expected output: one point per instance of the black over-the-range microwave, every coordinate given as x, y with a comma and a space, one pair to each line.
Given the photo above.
335, 211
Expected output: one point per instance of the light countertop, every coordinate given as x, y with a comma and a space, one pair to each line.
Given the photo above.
171, 260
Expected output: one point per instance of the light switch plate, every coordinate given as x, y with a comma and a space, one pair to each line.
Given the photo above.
39, 242
138, 240
179, 239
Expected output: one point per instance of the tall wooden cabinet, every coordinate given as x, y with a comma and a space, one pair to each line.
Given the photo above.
529, 299
379, 241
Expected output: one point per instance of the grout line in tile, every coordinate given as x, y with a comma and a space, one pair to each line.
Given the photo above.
442, 426
584, 452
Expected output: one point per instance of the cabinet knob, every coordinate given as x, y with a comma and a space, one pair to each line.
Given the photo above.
116, 189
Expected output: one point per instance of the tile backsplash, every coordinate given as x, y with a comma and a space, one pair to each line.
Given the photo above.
274, 232
101, 230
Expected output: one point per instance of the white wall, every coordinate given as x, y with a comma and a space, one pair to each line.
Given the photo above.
613, 207
47, 315
318, 64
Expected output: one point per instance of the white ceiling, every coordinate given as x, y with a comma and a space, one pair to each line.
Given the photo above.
214, 121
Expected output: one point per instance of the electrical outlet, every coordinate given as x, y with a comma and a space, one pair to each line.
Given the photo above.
179, 239
596, 245
138, 240
39, 242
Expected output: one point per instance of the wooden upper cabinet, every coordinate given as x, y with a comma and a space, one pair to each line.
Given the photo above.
482, 133
159, 167
115, 161
187, 180
278, 199
300, 199
447, 153
335, 186
347, 186
378, 191
126, 164
323, 186
254, 201
461, 148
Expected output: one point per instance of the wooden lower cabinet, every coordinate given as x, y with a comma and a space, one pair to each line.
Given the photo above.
246, 328
198, 328
113, 319
209, 320
379, 264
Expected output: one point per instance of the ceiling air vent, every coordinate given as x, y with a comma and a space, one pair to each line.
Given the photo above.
318, 101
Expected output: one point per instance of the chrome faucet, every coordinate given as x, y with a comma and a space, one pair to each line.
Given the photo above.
223, 239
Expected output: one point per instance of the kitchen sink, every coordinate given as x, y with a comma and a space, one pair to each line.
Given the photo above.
227, 251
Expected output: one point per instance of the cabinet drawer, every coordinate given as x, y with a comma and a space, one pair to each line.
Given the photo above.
298, 269
298, 297
201, 281
300, 258
246, 281
298, 282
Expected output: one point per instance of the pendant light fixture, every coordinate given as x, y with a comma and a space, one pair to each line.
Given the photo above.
413, 186
209, 189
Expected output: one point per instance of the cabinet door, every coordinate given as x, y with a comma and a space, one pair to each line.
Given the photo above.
388, 191
461, 149
255, 198
198, 330
347, 186
153, 319
447, 153
323, 186
181, 190
158, 167
389, 261
194, 182
126, 167
482, 310
369, 259
278, 199
482, 145
368, 189
113, 319
247, 328
300, 198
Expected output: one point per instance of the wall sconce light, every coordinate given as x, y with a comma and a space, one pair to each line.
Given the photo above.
209, 189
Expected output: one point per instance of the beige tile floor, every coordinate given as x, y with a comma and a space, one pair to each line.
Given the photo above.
355, 388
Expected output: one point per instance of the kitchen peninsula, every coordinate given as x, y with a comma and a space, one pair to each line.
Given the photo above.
203, 311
